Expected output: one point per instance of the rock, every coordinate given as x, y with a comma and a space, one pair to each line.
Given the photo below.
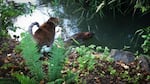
144, 62
120, 55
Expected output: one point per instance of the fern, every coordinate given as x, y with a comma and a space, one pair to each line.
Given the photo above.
29, 52
24, 79
31, 56
56, 61
71, 77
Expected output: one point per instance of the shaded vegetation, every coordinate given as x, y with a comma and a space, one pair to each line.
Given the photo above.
146, 37
144, 33
9, 10
90, 8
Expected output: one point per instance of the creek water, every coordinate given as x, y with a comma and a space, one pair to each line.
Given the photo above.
108, 31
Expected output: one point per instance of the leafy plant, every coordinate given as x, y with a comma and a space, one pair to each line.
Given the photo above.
145, 34
146, 44
86, 62
57, 60
31, 56
6, 66
83, 50
5, 47
8, 11
24, 79
102, 74
105, 53
18, 49
71, 77
112, 70
148, 77
125, 75
86, 58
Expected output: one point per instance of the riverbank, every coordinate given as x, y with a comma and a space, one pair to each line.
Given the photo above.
90, 64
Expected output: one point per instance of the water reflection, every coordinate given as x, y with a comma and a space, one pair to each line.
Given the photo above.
109, 31
114, 33
41, 14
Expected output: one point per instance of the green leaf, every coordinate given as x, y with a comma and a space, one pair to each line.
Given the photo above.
24, 79
31, 56
56, 61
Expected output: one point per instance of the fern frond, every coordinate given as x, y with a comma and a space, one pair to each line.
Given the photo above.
31, 56
56, 61
24, 79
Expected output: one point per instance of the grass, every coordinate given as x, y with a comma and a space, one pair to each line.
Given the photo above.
90, 8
